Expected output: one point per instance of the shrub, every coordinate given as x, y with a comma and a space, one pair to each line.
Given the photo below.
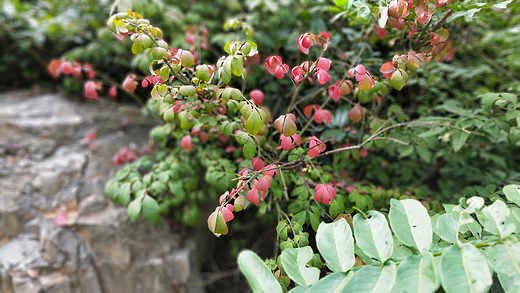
369, 111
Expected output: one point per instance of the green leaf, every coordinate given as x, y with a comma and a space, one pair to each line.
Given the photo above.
512, 193
488, 99
464, 269
454, 107
158, 187
505, 260
137, 48
337, 206
411, 223
133, 210
433, 131
373, 235
254, 122
112, 189
509, 283
340, 3
378, 279
468, 14
123, 196
494, 219
446, 227
467, 223
458, 139
242, 137
257, 273
417, 274
336, 245
314, 218
400, 251
150, 209
226, 128
216, 223
237, 65
331, 283
294, 262
249, 150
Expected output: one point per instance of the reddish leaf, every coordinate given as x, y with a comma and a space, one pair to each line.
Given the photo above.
356, 113
324, 193
257, 96
253, 196
316, 146
257, 164
227, 212
322, 116
335, 92
307, 110
387, 69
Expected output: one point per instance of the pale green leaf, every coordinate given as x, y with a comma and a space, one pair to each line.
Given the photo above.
400, 251
464, 269
474, 203
494, 219
467, 223
512, 193
417, 274
257, 273
505, 260
380, 279
373, 235
330, 283
509, 284
446, 227
336, 245
383, 12
411, 223
294, 262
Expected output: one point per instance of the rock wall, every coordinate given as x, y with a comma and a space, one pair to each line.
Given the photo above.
58, 233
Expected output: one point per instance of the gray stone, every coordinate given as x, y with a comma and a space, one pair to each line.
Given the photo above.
10, 224
24, 284
21, 253
45, 166
92, 204
63, 248
89, 282
6, 284
55, 283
